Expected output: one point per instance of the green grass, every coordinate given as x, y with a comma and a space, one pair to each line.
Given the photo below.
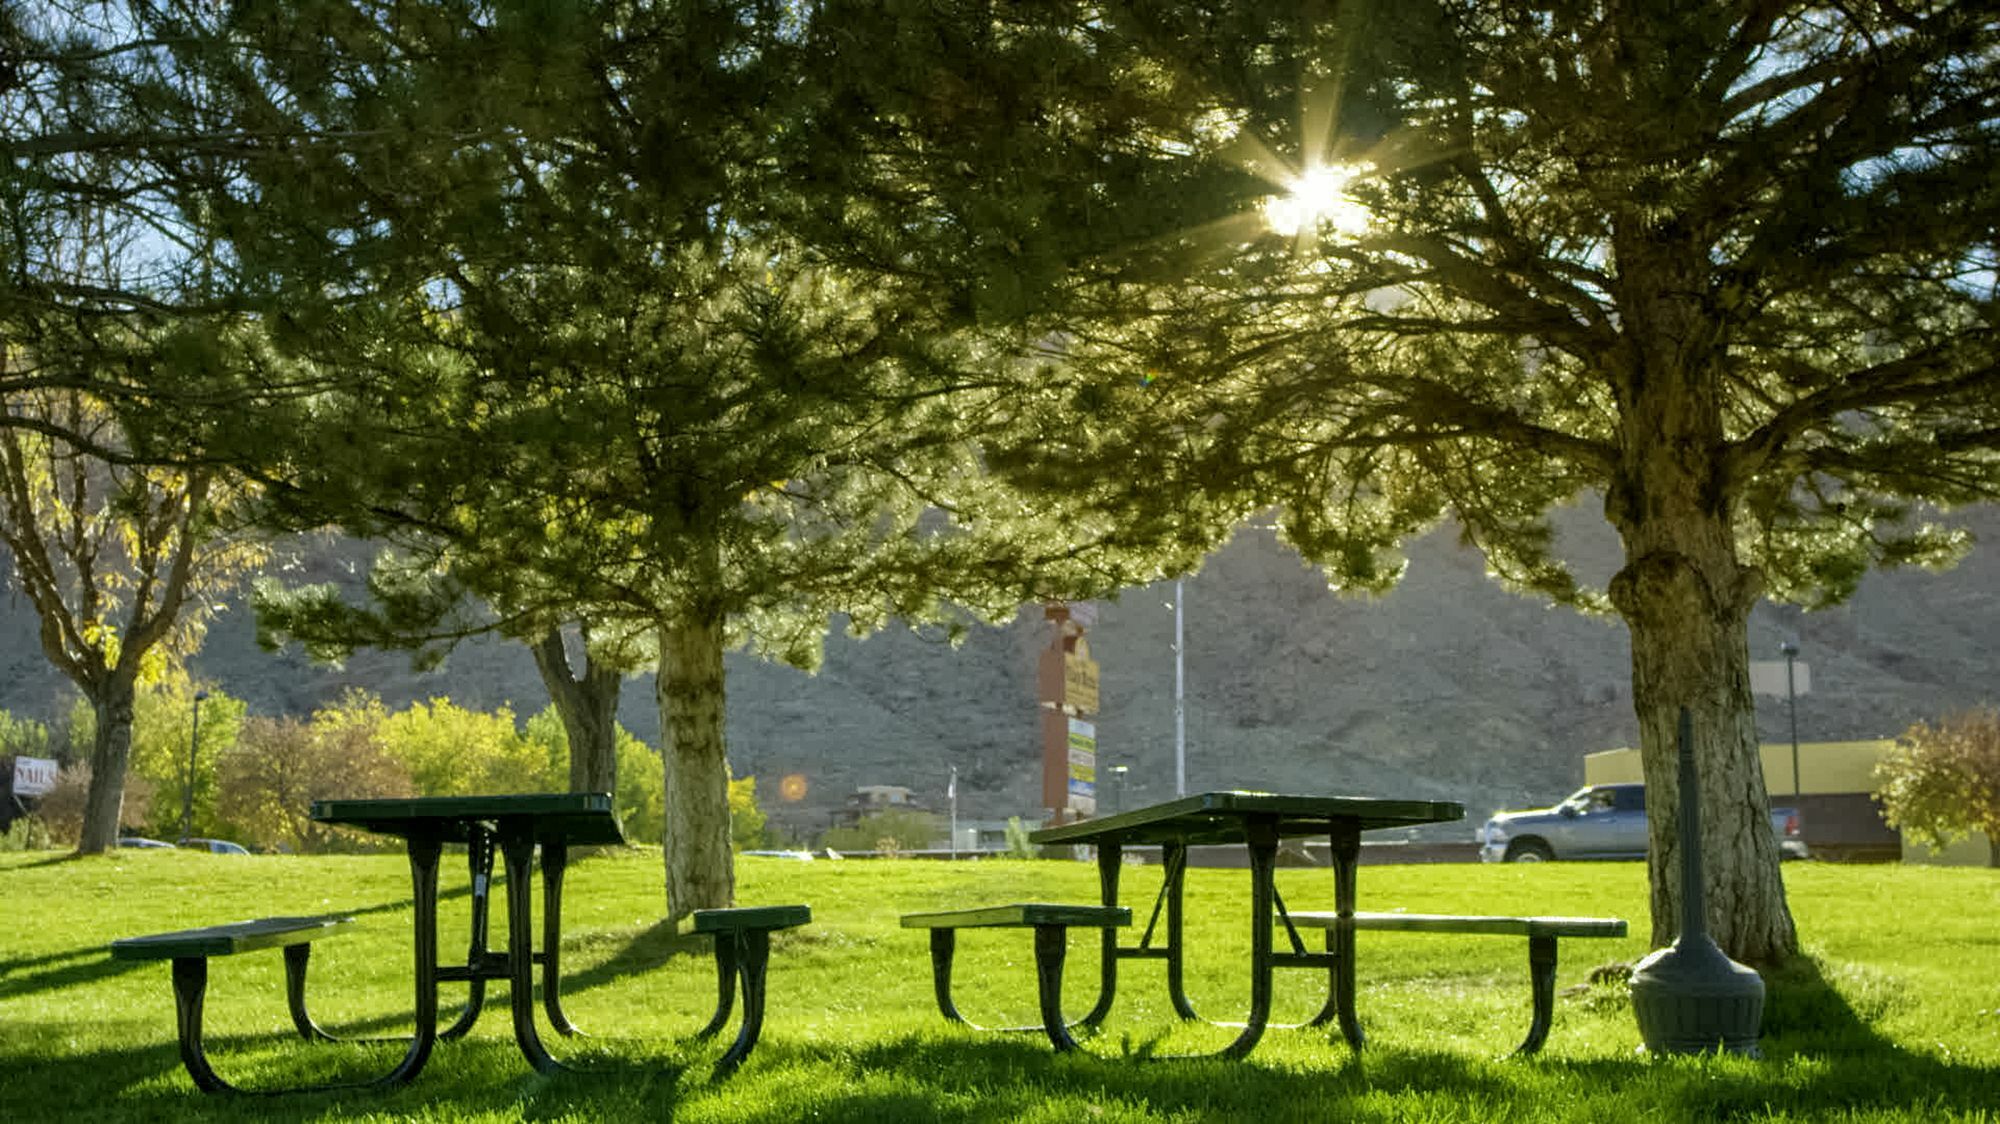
1894, 1016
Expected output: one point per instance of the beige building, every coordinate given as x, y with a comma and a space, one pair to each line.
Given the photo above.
1838, 817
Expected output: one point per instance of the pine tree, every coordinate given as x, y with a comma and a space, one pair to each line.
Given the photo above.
1727, 267
539, 256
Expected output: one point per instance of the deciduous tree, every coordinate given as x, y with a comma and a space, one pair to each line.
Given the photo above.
279, 766
122, 565
1942, 782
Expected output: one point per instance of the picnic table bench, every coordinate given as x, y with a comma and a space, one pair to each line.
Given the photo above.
1542, 934
1051, 922
190, 950
742, 951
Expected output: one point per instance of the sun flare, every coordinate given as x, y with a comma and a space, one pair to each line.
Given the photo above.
1318, 197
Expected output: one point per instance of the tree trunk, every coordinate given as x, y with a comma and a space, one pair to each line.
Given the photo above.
1685, 594
110, 756
1689, 650
701, 872
587, 703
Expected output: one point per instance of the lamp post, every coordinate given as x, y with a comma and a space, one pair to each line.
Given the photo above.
1117, 775
951, 793
1180, 693
194, 748
1791, 651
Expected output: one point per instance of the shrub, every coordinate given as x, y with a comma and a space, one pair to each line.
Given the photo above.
642, 791
163, 731
22, 737
26, 833
1017, 839
746, 819
279, 766
452, 751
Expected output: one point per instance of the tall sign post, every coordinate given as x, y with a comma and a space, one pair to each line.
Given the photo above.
1066, 680
1791, 679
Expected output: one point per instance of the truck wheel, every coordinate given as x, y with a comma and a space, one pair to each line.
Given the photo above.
1529, 851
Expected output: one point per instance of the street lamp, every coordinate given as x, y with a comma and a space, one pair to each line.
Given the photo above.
1791, 651
1180, 692
1117, 774
194, 748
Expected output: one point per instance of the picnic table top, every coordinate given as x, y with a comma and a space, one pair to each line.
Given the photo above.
1221, 817
581, 818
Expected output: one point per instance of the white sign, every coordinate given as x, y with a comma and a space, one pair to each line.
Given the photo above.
34, 776
1767, 677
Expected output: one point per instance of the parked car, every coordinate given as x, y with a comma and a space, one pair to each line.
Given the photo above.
140, 841
216, 846
1600, 821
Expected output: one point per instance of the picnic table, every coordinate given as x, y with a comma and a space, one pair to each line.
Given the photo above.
1258, 821
514, 825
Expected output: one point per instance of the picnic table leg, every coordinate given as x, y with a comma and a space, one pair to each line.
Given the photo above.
296, 958
1051, 945
518, 849
555, 860
944, 944
725, 980
1542, 973
190, 984
1109, 865
479, 860
753, 954
1340, 939
1174, 856
1263, 846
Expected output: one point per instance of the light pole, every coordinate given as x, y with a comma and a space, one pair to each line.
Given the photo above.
1791, 650
951, 794
194, 747
1180, 693
1117, 774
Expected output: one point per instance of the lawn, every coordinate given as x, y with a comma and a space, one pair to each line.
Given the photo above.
1894, 1015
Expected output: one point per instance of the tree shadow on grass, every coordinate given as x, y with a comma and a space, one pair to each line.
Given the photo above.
93, 963
650, 948
1016, 1075
57, 970
467, 1079
1808, 1018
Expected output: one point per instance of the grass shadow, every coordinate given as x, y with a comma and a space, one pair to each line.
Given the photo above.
78, 966
650, 948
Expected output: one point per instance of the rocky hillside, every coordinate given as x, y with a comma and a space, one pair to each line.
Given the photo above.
1446, 688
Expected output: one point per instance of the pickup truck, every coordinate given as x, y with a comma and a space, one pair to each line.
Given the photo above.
1599, 821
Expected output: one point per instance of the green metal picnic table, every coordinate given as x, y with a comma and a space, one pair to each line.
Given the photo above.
1258, 821
515, 825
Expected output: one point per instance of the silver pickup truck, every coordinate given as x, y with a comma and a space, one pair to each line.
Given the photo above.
1600, 821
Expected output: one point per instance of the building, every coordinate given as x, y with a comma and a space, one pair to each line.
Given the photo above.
870, 799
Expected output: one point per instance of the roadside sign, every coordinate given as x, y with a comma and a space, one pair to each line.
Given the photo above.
34, 776
1767, 677
1082, 766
